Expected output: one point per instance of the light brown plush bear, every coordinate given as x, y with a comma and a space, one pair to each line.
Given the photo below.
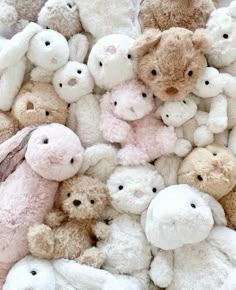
38, 103
170, 62
8, 126
72, 231
213, 170
190, 14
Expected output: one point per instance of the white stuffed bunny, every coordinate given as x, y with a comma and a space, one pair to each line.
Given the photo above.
13, 64
194, 250
110, 61
127, 250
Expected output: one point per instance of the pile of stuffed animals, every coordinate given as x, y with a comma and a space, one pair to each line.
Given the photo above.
117, 145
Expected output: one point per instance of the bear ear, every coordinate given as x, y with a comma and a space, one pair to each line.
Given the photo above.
146, 42
201, 40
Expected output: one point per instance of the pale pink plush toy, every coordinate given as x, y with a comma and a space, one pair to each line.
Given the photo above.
127, 118
52, 154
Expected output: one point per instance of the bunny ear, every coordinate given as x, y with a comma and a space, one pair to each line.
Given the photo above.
12, 152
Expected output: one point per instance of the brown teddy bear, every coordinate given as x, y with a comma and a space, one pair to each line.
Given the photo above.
170, 62
213, 170
38, 103
190, 14
8, 126
72, 231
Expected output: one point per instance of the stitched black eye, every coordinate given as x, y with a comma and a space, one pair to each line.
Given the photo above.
121, 187
69, 194
199, 177
47, 27
60, 85
47, 113
144, 95
79, 71
214, 154
92, 201
72, 160
193, 205
154, 97
33, 273
47, 43
129, 56
69, 5
225, 36
167, 116
154, 72
115, 103
184, 102
100, 63
45, 141
154, 189
206, 83
190, 73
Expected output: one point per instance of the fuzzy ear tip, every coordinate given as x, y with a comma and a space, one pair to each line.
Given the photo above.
202, 40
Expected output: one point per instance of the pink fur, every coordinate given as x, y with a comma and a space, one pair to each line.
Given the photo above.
27, 194
127, 118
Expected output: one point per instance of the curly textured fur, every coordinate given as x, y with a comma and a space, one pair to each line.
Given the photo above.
8, 126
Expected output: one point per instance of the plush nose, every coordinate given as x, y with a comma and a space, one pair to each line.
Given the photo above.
132, 109
30, 106
55, 159
171, 91
76, 202
72, 82
138, 193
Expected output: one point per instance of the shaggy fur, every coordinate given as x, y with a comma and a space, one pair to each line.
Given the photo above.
229, 204
164, 14
38, 103
211, 169
127, 118
170, 62
71, 231
8, 126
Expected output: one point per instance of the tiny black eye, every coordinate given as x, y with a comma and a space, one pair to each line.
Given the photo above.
68, 194
154, 189
167, 116
60, 85
154, 97
199, 177
193, 205
69, 5
144, 95
100, 63
121, 187
47, 27
68, 106
92, 201
184, 102
214, 154
115, 103
45, 141
190, 73
129, 56
79, 71
206, 83
33, 273
225, 36
47, 43
72, 160
154, 72
46, 113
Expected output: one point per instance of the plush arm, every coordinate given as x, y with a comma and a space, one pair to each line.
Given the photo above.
55, 218
229, 85
162, 270
225, 240
101, 230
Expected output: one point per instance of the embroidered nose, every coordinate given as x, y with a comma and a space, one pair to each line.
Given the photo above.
171, 91
138, 193
72, 82
76, 202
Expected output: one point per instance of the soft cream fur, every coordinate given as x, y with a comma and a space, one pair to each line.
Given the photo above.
8, 126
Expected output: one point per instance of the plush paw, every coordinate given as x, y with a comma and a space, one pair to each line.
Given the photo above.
218, 125
182, 147
120, 134
55, 218
131, 157
159, 280
92, 257
101, 231
203, 136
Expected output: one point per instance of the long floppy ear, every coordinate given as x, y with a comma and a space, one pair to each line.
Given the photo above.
146, 42
201, 40
12, 152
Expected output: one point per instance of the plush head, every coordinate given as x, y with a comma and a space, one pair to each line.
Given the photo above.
111, 62
62, 16
49, 50
31, 273
83, 197
211, 169
177, 113
73, 81
222, 28
38, 103
131, 101
8, 126
54, 152
181, 215
170, 62
210, 84
133, 188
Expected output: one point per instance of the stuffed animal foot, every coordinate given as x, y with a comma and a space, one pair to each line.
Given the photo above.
101, 231
41, 241
217, 125
131, 155
182, 147
92, 257
203, 136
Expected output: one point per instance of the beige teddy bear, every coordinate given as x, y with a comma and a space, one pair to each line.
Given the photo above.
38, 103
72, 231
8, 126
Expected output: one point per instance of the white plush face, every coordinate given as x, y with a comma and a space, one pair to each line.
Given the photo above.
132, 101
111, 62
73, 81
54, 152
210, 84
177, 113
31, 274
49, 50
132, 188
222, 28
177, 216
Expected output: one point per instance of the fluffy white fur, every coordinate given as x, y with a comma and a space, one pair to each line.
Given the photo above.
194, 248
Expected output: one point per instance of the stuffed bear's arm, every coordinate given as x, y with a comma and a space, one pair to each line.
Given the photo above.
162, 269
55, 218
225, 240
101, 230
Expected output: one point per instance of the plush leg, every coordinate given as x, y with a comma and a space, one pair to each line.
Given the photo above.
132, 155
182, 147
232, 140
92, 257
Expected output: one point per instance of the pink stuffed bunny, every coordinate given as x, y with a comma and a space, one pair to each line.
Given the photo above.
127, 118
52, 154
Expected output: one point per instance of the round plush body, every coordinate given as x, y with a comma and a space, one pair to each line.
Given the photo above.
53, 154
211, 169
121, 17
38, 103
127, 118
131, 190
170, 62
62, 16
8, 126
110, 61
183, 222
180, 13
